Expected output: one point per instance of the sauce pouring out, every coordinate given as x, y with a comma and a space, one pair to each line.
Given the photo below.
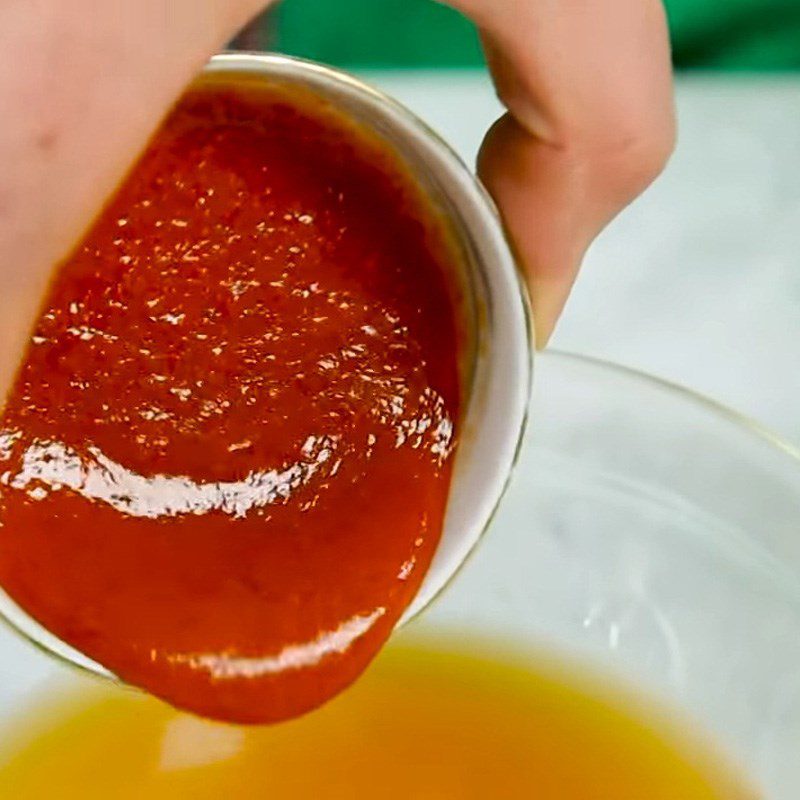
225, 464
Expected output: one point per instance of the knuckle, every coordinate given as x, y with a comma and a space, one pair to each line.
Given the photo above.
628, 150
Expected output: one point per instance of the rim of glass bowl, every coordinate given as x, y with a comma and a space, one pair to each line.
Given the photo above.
740, 420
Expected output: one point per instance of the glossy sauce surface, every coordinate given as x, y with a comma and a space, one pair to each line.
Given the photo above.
225, 464
421, 724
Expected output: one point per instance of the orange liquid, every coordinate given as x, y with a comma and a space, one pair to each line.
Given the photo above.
420, 724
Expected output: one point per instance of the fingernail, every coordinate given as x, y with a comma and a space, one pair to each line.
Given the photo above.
548, 303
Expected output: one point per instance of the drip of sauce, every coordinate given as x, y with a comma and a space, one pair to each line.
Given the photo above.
225, 463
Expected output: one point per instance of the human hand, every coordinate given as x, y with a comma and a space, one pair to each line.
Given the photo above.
587, 84
590, 123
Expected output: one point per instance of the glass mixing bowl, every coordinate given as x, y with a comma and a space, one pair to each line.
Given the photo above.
647, 532
655, 534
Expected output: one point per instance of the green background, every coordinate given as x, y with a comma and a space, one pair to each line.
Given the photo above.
710, 34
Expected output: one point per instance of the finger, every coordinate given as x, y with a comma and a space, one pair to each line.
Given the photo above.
588, 87
97, 79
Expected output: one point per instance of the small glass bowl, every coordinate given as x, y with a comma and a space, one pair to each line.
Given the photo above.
499, 369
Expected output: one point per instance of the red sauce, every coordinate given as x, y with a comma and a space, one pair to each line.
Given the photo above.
225, 463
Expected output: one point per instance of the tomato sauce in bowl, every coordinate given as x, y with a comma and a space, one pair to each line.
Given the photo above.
225, 464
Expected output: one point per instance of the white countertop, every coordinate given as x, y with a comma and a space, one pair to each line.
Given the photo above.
699, 281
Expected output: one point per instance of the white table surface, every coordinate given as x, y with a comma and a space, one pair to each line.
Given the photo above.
698, 281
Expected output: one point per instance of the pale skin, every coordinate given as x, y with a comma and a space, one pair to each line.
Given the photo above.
587, 85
